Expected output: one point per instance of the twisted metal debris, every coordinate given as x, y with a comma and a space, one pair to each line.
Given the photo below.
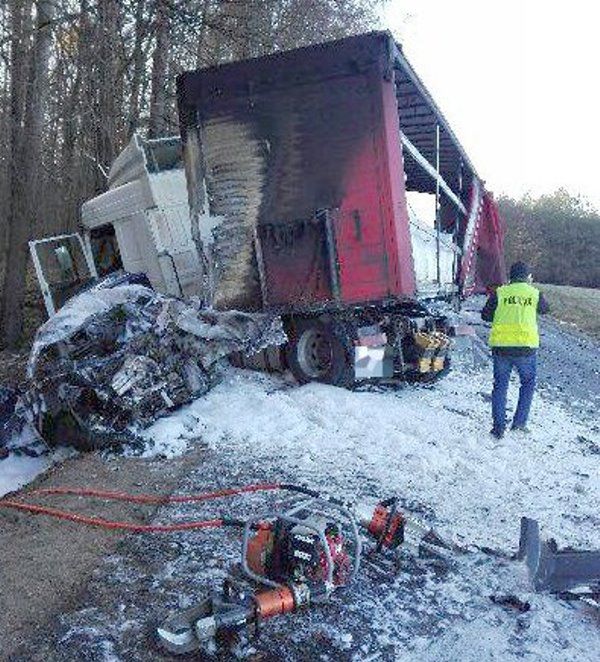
120, 355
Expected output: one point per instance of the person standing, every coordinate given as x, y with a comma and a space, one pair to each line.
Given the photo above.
513, 309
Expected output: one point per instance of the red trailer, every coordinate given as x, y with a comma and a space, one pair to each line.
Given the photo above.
305, 158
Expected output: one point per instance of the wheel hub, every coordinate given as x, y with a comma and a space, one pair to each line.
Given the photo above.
315, 353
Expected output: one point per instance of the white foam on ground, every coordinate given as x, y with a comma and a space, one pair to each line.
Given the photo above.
429, 444
431, 447
19, 469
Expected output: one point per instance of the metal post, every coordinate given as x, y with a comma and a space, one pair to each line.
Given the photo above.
437, 202
457, 224
421, 161
48, 301
89, 254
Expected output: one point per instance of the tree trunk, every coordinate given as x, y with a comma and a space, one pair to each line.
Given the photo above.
18, 14
72, 173
138, 68
158, 95
201, 43
22, 214
108, 119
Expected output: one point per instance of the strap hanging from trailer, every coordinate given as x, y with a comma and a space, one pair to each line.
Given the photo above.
432, 172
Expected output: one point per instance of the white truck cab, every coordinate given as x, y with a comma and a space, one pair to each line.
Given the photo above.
140, 224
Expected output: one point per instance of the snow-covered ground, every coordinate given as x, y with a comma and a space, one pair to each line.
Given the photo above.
18, 470
428, 445
27, 458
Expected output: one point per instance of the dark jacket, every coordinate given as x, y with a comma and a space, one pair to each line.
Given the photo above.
487, 315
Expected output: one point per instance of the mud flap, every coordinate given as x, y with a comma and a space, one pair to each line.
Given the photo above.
554, 570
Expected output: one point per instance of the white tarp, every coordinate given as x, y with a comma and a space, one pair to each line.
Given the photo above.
424, 250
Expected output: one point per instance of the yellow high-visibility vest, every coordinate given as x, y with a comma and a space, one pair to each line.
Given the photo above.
515, 318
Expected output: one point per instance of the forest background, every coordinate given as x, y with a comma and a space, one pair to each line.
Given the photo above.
79, 77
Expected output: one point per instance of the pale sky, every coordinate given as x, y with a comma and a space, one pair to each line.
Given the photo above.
519, 83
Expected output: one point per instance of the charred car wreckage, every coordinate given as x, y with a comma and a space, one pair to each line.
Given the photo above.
119, 355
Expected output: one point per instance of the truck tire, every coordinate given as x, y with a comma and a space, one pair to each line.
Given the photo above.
321, 352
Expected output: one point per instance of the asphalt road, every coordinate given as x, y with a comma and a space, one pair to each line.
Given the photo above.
568, 361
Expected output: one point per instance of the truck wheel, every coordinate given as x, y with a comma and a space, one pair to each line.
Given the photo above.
321, 352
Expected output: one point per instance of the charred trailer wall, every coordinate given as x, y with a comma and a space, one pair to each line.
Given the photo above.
302, 159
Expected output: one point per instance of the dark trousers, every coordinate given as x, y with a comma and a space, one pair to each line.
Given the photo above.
526, 368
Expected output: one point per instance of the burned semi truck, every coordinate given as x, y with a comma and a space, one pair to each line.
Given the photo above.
298, 188
306, 158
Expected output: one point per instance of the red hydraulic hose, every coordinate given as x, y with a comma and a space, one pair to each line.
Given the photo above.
160, 499
147, 499
133, 498
109, 524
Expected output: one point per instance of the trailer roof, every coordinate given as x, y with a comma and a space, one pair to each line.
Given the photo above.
419, 117
419, 114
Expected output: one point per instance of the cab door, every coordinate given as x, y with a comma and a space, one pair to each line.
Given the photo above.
64, 267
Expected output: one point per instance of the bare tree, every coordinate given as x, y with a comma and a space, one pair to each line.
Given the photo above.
22, 214
79, 77
138, 62
158, 98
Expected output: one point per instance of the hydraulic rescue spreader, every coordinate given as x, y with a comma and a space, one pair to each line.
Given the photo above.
293, 559
289, 562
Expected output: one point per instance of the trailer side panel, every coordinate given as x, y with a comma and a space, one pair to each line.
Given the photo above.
317, 128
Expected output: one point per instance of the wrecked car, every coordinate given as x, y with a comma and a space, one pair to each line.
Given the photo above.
119, 355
